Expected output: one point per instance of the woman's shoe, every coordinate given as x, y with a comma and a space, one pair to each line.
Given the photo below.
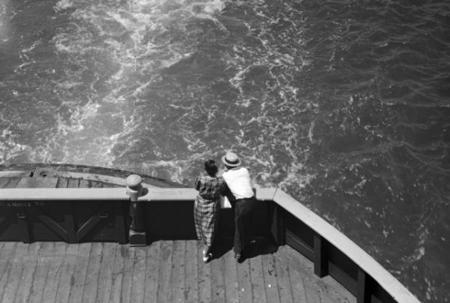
239, 257
207, 257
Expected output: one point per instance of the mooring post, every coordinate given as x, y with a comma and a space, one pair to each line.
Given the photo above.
137, 236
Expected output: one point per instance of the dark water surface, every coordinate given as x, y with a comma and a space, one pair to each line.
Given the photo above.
345, 104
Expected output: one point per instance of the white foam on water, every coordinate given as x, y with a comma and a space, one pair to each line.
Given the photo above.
63, 4
9, 148
126, 35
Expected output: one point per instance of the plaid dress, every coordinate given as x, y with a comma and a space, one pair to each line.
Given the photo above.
206, 207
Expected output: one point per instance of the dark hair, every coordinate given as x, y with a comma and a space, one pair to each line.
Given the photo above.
211, 168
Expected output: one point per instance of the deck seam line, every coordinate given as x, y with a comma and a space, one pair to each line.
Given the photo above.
20, 276
263, 278
71, 288
58, 272
159, 274
47, 270
275, 265
9, 265
99, 271
145, 272
83, 284
290, 279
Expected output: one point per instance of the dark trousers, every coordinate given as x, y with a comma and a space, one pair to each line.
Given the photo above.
243, 210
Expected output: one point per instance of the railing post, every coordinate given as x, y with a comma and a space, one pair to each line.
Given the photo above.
363, 288
24, 223
278, 226
137, 235
320, 256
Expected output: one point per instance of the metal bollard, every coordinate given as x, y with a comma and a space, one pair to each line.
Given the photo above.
137, 234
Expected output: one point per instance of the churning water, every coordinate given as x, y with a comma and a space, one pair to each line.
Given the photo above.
344, 104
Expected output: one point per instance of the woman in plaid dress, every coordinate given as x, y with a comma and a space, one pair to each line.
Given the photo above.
207, 205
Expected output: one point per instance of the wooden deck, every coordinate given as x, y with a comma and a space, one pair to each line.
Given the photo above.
165, 271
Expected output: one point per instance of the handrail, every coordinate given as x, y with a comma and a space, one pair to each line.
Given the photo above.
385, 279
62, 194
93, 194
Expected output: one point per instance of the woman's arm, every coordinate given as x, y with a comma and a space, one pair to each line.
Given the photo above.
197, 183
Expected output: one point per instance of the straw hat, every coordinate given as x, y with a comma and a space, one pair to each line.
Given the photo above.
231, 159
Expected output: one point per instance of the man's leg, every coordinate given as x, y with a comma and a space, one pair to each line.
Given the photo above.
238, 228
243, 216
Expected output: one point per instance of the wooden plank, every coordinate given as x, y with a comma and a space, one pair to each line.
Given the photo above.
62, 182
128, 255
78, 281
96, 184
191, 272
315, 290
257, 279
204, 277
270, 278
54, 262
14, 173
84, 183
138, 277
93, 272
105, 278
73, 183
282, 274
37, 182
118, 272
244, 282
15, 273
29, 264
8, 255
231, 279
4, 181
296, 279
12, 183
165, 265
68, 269
218, 280
177, 276
5, 254
42, 268
152, 269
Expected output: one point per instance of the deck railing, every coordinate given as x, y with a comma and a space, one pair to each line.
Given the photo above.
73, 213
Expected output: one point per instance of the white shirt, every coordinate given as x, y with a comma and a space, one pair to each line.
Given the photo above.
239, 183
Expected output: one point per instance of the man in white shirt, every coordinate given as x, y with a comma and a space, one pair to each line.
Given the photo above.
240, 185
